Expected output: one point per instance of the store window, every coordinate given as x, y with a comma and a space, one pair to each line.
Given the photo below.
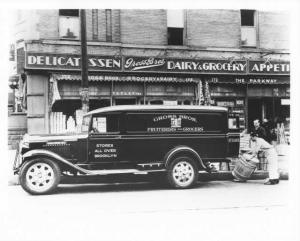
156, 102
98, 103
175, 23
125, 101
248, 28
66, 116
187, 102
69, 23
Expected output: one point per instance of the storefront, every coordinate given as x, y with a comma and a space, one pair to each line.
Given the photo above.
250, 89
253, 97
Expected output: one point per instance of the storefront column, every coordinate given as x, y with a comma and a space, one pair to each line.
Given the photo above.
263, 110
144, 93
37, 104
111, 93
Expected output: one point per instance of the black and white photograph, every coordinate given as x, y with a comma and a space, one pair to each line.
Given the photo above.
139, 122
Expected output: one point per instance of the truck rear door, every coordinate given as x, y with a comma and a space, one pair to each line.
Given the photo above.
233, 136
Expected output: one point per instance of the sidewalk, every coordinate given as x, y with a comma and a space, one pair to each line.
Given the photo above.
283, 162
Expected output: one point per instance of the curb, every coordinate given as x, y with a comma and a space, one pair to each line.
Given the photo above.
227, 175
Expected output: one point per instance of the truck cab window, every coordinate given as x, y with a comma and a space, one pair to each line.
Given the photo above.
105, 124
85, 123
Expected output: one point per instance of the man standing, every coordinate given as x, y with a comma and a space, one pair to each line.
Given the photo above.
259, 144
259, 130
270, 131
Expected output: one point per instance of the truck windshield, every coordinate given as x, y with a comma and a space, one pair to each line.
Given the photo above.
85, 123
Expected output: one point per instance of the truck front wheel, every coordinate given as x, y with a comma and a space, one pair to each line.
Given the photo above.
40, 176
182, 172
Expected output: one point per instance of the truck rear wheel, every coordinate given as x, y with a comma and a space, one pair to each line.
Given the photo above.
182, 172
40, 176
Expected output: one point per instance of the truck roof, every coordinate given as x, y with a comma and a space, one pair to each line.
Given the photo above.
157, 107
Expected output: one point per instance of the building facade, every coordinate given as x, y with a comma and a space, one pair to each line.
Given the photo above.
233, 58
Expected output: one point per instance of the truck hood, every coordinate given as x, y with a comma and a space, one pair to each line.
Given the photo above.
53, 137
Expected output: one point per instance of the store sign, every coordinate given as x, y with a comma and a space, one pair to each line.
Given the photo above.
249, 80
144, 64
269, 67
125, 78
153, 64
71, 62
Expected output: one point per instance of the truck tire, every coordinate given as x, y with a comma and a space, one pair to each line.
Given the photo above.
40, 176
182, 172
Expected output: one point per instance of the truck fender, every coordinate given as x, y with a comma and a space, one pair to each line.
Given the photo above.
183, 149
45, 153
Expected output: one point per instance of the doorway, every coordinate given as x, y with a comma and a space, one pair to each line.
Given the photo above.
254, 111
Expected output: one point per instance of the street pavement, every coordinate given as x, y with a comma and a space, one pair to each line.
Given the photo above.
212, 211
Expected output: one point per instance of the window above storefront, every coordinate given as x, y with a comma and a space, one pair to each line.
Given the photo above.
248, 28
175, 22
69, 24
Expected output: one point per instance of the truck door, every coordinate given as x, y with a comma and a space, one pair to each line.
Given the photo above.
233, 136
104, 138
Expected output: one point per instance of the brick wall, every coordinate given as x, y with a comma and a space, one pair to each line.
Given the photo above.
14, 137
101, 25
116, 28
144, 27
17, 127
204, 27
89, 26
273, 30
47, 24
213, 28
114, 25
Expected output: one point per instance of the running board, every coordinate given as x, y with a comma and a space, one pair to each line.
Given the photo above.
120, 171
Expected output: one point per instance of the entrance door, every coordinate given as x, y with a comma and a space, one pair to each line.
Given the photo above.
254, 111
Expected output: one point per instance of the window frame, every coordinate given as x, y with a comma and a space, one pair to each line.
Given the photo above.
182, 37
253, 16
67, 16
255, 27
59, 12
183, 28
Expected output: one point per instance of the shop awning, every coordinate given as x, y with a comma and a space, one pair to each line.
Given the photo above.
96, 78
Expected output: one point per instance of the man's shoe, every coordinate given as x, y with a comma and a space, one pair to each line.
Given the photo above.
272, 182
238, 180
275, 181
269, 183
